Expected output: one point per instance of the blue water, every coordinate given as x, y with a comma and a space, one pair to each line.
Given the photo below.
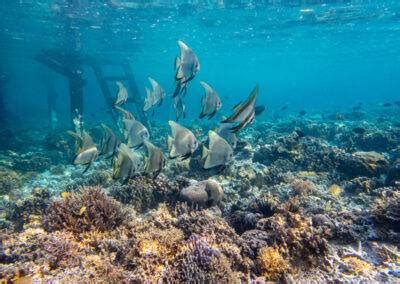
344, 53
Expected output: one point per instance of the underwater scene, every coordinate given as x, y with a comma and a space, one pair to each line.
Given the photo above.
199, 141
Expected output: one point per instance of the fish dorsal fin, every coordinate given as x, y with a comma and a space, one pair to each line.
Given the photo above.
75, 135
236, 107
154, 83
207, 88
213, 138
87, 141
176, 128
126, 114
183, 47
253, 96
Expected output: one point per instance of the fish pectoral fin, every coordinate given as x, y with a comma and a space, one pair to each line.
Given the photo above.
87, 167
170, 142
211, 115
205, 153
228, 120
186, 156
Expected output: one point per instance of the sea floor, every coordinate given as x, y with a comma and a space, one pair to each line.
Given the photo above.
306, 198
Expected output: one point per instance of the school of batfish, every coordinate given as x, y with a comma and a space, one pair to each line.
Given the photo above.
182, 143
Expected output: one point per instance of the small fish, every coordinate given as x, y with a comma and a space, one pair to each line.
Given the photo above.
155, 160
109, 142
125, 114
258, 110
122, 95
86, 157
179, 108
64, 194
224, 130
135, 133
126, 163
284, 108
153, 97
86, 150
244, 112
302, 113
82, 210
211, 103
339, 117
219, 153
83, 140
183, 143
387, 105
186, 67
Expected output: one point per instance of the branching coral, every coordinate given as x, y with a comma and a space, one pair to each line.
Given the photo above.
144, 192
89, 210
199, 262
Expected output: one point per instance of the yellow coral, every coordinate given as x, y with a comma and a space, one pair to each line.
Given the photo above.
271, 262
335, 190
357, 266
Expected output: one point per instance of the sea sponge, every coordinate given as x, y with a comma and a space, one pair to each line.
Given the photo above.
204, 193
271, 263
91, 209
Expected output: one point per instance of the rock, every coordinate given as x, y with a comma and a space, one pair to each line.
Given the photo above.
204, 193
393, 176
363, 164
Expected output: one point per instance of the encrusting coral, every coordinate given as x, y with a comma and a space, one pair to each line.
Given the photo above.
85, 211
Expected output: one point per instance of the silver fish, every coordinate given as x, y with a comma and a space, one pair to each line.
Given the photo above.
219, 153
179, 108
186, 67
109, 142
122, 95
183, 143
153, 97
244, 112
224, 130
211, 103
86, 150
126, 163
135, 132
155, 160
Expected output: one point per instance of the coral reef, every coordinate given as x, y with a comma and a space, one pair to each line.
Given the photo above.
85, 211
